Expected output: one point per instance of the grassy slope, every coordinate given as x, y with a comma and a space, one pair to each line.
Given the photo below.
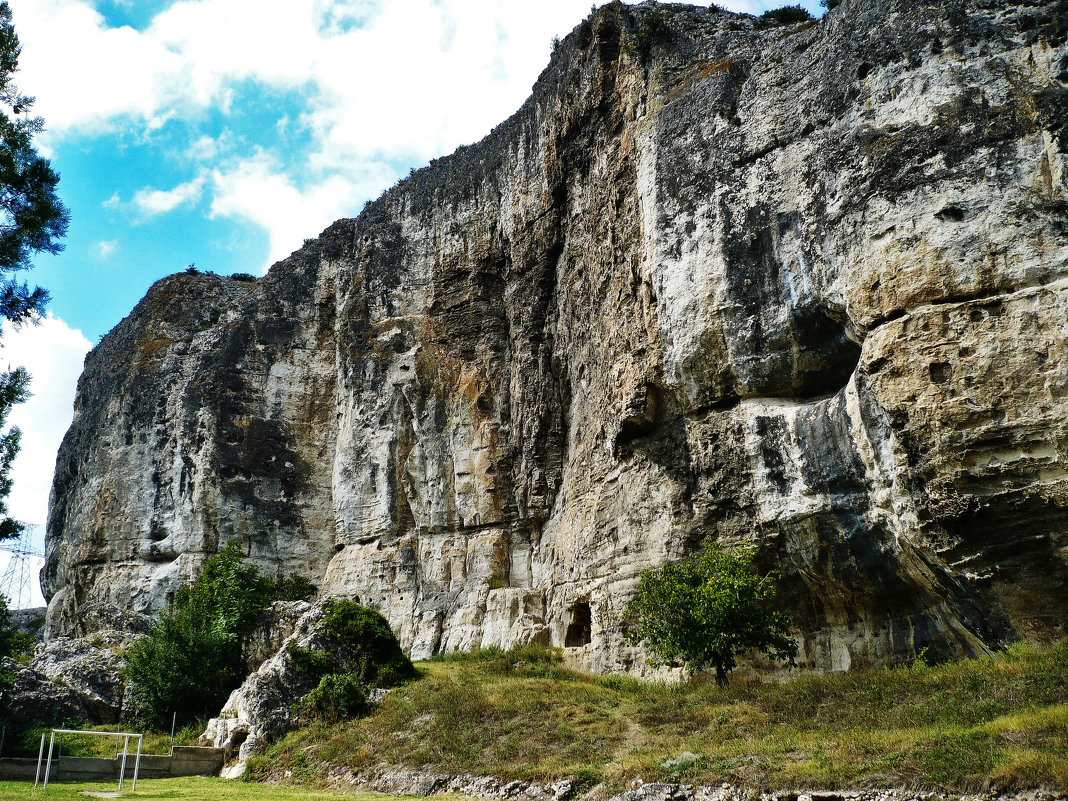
195, 788
1002, 720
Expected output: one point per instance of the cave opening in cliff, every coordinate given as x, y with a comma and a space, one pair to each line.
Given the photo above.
578, 630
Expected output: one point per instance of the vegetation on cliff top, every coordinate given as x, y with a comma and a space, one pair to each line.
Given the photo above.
522, 714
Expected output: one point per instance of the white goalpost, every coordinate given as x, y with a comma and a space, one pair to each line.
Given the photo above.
115, 734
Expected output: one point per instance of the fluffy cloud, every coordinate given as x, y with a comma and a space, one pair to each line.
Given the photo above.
53, 352
257, 189
158, 201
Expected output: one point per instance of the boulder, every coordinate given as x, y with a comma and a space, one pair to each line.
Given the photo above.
264, 706
36, 699
90, 668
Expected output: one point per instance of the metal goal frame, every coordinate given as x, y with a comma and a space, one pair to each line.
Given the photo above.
115, 734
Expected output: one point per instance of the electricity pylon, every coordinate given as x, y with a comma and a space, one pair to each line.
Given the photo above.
16, 582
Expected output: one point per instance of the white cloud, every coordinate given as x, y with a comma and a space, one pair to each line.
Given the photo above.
258, 190
112, 202
106, 247
203, 149
53, 353
104, 73
151, 202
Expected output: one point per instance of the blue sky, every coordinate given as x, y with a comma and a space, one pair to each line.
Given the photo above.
222, 133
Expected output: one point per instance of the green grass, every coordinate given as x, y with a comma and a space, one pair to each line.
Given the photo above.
85, 745
195, 788
1000, 721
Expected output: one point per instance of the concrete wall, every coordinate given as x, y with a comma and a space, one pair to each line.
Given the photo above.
184, 761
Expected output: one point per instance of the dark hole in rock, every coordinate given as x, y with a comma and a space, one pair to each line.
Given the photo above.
608, 42
237, 740
827, 356
940, 372
585, 36
863, 71
950, 214
877, 364
641, 415
578, 631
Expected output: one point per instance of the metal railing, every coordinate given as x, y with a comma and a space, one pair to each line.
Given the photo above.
116, 734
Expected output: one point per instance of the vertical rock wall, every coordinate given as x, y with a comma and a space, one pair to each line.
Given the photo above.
802, 287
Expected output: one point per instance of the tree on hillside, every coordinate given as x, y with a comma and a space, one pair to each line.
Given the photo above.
707, 609
32, 220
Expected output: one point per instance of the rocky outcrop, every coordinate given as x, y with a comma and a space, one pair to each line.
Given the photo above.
35, 699
395, 780
92, 670
265, 706
800, 286
71, 680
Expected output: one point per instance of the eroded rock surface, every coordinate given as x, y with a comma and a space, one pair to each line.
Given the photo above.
265, 705
800, 286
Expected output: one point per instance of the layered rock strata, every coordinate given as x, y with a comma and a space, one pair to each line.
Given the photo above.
804, 287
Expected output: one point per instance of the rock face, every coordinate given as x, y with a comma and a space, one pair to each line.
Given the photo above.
92, 670
804, 287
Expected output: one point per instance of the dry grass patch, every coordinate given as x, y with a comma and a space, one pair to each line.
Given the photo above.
522, 715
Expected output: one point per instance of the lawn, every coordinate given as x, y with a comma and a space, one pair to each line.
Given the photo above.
1000, 721
194, 788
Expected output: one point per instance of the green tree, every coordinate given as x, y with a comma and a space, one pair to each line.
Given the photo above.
195, 655
707, 609
32, 220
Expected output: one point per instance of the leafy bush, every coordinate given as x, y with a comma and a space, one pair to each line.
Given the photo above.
184, 665
359, 650
313, 664
374, 653
248, 277
706, 610
13, 643
338, 696
787, 15
194, 656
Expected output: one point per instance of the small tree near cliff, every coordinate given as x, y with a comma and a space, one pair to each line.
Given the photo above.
705, 610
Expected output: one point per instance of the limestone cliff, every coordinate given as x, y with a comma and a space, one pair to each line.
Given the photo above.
801, 286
